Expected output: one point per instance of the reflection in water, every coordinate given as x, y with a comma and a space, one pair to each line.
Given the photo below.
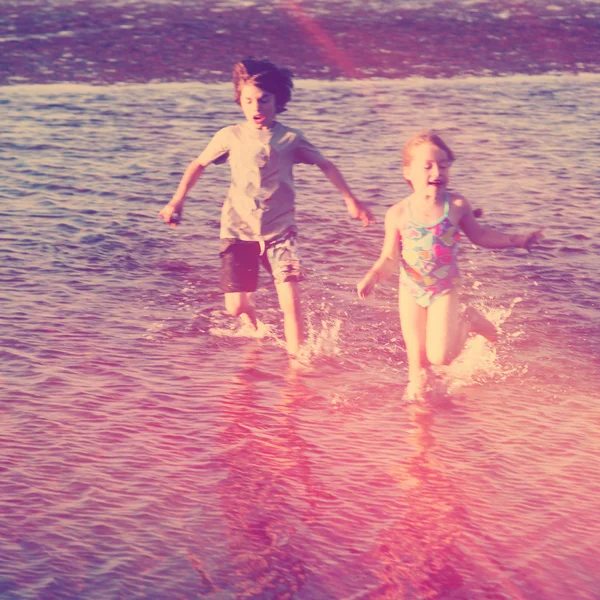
121, 451
416, 555
266, 495
431, 551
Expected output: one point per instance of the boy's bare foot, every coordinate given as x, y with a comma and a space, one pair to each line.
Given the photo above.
480, 325
247, 321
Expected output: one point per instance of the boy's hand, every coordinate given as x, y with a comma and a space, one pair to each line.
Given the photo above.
359, 211
171, 215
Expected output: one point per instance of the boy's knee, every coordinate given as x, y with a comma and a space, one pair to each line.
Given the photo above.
234, 311
288, 307
235, 306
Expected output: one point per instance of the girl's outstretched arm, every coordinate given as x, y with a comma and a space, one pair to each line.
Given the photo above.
387, 263
487, 237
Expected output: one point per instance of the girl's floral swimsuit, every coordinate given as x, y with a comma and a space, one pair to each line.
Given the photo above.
429, 257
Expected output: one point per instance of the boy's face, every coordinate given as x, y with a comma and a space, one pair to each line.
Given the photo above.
429, 170
258, 106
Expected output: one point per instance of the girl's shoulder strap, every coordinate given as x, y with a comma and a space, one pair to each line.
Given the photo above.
408, 209
446, 204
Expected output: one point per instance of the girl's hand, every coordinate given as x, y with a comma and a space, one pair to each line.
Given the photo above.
171, 215
367, 284
533, 238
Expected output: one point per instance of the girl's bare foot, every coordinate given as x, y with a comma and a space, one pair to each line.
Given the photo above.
480, 325
418, 385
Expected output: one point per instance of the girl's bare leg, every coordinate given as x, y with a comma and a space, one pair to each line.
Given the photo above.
480, 325
241, 304
447, 329
293, 322
413, 321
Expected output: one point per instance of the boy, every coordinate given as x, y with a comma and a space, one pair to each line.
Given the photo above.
258, 217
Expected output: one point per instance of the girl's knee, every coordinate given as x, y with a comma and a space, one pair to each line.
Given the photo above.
438, 356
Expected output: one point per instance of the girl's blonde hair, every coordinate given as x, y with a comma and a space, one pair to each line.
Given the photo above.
421, 138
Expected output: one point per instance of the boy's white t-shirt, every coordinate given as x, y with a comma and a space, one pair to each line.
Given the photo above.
260, 201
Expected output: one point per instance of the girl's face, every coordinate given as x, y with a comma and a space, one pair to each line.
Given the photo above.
258, 106
429, 170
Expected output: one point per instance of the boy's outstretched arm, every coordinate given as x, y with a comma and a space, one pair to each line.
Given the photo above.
387, 263
356, 209
486, 237
175, 206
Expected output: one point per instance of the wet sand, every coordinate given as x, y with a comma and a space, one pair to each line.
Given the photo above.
46, 42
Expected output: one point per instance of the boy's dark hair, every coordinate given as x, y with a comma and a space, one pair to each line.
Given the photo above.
266, 76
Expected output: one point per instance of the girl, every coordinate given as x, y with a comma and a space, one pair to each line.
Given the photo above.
422, 233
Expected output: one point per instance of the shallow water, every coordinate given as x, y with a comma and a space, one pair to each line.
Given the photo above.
152, 451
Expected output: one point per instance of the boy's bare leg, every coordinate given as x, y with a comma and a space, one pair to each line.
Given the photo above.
413, 321
293, 322
241, 304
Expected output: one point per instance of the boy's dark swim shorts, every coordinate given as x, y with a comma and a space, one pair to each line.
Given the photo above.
240, 261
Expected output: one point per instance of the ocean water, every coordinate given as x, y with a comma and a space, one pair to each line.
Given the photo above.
141, 41
152, 449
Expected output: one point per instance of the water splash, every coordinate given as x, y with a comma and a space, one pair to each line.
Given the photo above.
478, 362
322, 334
237, 329
322, 331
